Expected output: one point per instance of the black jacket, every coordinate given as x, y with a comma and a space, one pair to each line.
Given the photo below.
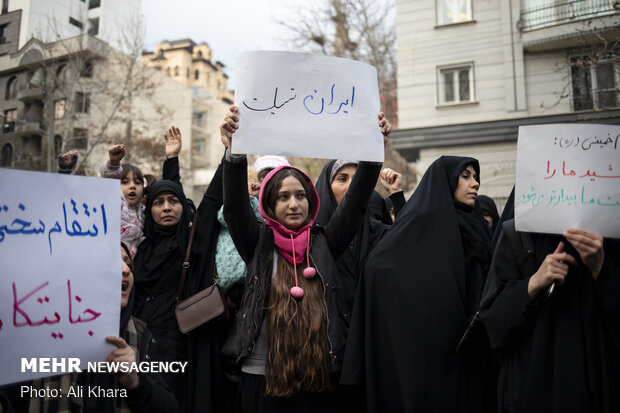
255, 243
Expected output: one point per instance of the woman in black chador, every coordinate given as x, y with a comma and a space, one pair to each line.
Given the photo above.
158, 271
420, 288
560, 351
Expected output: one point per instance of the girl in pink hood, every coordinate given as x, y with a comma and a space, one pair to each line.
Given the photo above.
291, 333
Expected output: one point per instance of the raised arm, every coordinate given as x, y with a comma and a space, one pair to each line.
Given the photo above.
238, 213
66, 162
174, 143
391, 181
347, 218
112, 167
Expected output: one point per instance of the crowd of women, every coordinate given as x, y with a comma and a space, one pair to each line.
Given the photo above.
343, 301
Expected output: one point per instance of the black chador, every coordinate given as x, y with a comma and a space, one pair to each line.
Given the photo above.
559, 353
420, 288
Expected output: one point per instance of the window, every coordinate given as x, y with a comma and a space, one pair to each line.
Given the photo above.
80, 138
453, 11
176, 70
5, 6
60, 107
93, 26
594, 83
3, 33
196, 75
11, 89
57, 144
87, 69
10, 116
199, 118
456, 84
82, 102
76, 23
93, 4
62, 75
198, 147
187, 73
168, 71
6, 156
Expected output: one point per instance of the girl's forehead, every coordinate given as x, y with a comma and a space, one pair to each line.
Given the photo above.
291, 182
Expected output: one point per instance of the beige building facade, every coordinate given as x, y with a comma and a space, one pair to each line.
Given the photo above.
191, 65
45, 103
470, 72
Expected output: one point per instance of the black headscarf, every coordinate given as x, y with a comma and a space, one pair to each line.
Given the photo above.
413, 304
487, 204
507, 214
163, 248
351, 261
161, 255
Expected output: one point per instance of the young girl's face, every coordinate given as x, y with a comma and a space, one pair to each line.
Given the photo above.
467, 189
292, 206
132, 188
342, 180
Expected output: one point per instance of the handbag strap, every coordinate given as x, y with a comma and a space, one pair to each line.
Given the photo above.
185, 264
187, 256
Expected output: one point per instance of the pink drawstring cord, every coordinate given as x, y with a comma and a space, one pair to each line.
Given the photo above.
309, 272
296, 291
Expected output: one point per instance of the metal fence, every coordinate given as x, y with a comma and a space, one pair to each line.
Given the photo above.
566, 11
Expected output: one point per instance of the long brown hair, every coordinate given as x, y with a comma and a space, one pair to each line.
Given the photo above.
297, 337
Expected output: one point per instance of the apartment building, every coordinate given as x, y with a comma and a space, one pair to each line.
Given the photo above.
192, 65
47, 106
112, 21
470, 72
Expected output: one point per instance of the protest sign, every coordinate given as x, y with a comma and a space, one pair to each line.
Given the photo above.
60, 282
307, 105
568, 175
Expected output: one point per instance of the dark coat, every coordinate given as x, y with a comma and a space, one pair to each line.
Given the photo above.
255, 244
201, 388
415, 299
560, 354
373, 225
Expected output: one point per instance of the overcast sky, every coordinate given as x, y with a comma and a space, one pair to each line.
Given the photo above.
228, 26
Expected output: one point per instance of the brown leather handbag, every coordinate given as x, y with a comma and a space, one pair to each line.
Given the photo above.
205, 305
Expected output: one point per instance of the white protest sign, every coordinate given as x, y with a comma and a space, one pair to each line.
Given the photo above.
568, 175
60, 283
297, 104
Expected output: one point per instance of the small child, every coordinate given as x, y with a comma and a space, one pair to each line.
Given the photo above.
132, 188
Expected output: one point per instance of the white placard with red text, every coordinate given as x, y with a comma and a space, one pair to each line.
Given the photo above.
60, 277
307, 105
568, 175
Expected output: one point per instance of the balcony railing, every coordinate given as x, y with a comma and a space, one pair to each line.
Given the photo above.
31, 93
27, 128
566, 11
